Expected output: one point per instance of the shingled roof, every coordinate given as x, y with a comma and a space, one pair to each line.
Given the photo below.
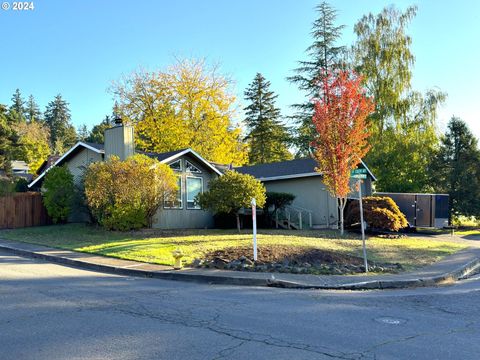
283, 169
162, 156
286, 170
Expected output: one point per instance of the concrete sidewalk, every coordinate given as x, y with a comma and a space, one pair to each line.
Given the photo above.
447, 270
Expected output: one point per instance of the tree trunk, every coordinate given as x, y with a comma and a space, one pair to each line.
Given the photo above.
341, 206
238, 222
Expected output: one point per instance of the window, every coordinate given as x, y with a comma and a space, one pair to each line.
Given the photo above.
176, 165
194, 187
177, 203
191, 168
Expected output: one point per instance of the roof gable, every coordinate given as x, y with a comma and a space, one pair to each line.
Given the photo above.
98, 148
173, 155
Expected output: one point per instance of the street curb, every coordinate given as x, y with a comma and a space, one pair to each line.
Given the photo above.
445, 278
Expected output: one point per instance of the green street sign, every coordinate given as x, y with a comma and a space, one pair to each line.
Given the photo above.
358, 171
359, 176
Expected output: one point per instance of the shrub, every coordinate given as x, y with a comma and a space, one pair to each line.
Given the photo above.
465, 221
229, 193
125, 195
57, 192
277, 200
379, 212
21, 185
7, 186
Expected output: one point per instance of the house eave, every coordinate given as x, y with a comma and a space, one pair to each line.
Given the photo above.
286, 177
187, 151
78, 144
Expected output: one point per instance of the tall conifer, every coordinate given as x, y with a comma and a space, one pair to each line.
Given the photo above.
32, 110
455, 169
267, 136
58, 120
324, 55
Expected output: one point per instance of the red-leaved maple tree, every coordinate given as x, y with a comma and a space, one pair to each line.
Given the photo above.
341, 134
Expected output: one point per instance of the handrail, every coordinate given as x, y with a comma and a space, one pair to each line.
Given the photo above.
298, 208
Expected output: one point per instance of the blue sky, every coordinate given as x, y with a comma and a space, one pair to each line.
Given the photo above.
77, 48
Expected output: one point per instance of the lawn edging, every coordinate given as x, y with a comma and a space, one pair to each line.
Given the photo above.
458, 270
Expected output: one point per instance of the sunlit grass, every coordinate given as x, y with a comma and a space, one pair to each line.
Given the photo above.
156, 246
468, 232
459, 232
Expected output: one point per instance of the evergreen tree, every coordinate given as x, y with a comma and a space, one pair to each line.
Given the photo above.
456, 169
324, 56
32, 110
17, 109
96, 135
82, 133
58, 120
7, 138
267, 136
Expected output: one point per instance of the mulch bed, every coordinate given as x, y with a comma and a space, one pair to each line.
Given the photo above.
289, 259
280, 253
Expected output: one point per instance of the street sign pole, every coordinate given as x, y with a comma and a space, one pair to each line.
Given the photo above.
362, 224
254, 219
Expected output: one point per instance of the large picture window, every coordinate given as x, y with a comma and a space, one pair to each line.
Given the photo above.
194, 187
176, 203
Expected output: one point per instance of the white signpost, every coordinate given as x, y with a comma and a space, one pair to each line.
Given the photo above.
361, 174
254, 219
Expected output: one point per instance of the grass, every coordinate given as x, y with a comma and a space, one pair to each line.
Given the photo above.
460, 232
156, 246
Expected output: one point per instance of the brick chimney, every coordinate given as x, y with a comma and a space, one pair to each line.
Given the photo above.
119, 140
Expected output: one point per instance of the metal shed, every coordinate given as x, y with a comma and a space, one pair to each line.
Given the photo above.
422, 210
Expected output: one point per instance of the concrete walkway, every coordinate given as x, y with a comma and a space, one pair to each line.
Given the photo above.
445, 271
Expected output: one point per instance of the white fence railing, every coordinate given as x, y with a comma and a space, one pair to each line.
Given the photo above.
293, 217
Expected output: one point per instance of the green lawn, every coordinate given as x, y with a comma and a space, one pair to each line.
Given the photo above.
459, 232
156, 247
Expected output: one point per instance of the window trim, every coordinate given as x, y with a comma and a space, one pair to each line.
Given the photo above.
182, 191
186, 192
192, 172
181, 165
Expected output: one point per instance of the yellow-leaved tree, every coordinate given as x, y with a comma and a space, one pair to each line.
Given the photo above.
33, 143
187, 105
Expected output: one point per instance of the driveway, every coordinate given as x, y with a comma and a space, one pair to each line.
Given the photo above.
54, 312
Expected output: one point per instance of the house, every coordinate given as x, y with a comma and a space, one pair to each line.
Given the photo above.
47, 163
298, 177
20, 169
194, 174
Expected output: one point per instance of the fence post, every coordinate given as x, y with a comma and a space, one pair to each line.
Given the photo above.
288, 219
310, 220
276, 218
300, 220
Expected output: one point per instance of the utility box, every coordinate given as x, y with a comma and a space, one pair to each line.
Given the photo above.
422, 210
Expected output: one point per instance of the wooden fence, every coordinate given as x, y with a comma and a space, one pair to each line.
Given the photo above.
22, 210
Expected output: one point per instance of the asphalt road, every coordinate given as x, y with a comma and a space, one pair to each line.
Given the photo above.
49, 311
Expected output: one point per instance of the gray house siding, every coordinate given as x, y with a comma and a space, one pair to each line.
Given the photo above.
79, 162
185, 218
310, 194
77, 165
366, 187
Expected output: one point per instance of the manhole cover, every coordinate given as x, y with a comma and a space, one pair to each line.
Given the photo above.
390, 320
